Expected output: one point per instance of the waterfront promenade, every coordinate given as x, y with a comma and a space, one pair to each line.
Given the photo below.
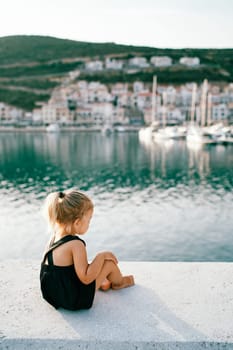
172, 306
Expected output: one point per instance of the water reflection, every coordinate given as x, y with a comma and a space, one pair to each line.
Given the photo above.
93, 159
161, 201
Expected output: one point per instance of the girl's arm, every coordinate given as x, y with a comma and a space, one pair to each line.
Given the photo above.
87, 273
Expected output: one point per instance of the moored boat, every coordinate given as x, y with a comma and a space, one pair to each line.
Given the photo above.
53, 128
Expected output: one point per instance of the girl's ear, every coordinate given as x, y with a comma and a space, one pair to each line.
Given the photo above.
77, 221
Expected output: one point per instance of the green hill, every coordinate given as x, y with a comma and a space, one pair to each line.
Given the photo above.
30, 66
22, 48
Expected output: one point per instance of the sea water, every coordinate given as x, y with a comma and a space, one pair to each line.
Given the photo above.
153, 202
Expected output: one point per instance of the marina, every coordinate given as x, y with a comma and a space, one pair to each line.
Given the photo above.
198, 129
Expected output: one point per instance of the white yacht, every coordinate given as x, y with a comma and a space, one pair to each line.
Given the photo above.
147, 132
169, 132
196, 134
120, 128
53, 128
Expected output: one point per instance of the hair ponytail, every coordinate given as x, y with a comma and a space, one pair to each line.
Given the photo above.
65, 207
51, 207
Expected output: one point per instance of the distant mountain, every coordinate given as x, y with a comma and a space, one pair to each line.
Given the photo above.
23, 48
30, 66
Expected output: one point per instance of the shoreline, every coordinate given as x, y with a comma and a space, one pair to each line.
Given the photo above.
4, 129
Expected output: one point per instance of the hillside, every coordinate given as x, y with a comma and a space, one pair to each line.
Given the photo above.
30, 66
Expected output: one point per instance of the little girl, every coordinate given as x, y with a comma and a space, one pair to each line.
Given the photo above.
67, 279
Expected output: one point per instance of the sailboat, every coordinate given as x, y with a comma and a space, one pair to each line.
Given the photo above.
196, 133
163, 133
168, 132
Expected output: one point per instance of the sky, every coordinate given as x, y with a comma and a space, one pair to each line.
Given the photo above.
155, 23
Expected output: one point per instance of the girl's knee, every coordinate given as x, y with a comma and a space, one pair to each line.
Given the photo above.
109, 264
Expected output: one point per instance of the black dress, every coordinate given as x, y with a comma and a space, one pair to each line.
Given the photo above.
61, 286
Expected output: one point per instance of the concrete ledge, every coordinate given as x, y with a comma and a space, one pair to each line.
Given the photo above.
172, 306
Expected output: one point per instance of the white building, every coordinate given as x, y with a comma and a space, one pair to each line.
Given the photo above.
161, 61
84, 115
64, 115
190, 61
37, 115
119, 89
185, 95
138, 86
9, 113
105, 113
170, 95
219, 112
171, 114
113, 64
82, 88
119, 115
74, 74
123, 99
216, 98
49, 115
226, 97
140, 62
142, 100
175, 115
102, 113
94, 65
98, 92
82, 85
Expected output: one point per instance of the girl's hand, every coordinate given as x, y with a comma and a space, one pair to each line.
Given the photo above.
109, 256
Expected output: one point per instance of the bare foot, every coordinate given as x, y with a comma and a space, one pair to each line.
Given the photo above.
127, 281
106, 285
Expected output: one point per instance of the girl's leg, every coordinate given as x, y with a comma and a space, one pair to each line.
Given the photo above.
111, 272
105, 285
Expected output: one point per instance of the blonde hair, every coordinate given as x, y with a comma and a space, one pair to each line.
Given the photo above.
65, 207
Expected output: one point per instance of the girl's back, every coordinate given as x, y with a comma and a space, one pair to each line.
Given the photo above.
60, 284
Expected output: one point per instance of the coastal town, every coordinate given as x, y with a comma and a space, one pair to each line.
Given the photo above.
92, 104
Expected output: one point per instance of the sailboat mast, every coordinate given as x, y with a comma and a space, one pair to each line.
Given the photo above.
164, 108
154, 89
209, 105
193, 103
203, 102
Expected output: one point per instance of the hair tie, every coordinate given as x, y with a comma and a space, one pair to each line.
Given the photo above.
61, 195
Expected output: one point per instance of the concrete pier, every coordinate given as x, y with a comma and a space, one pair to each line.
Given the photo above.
172, 306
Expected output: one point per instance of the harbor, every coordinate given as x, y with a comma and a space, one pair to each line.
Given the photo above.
199, 128
162, 167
